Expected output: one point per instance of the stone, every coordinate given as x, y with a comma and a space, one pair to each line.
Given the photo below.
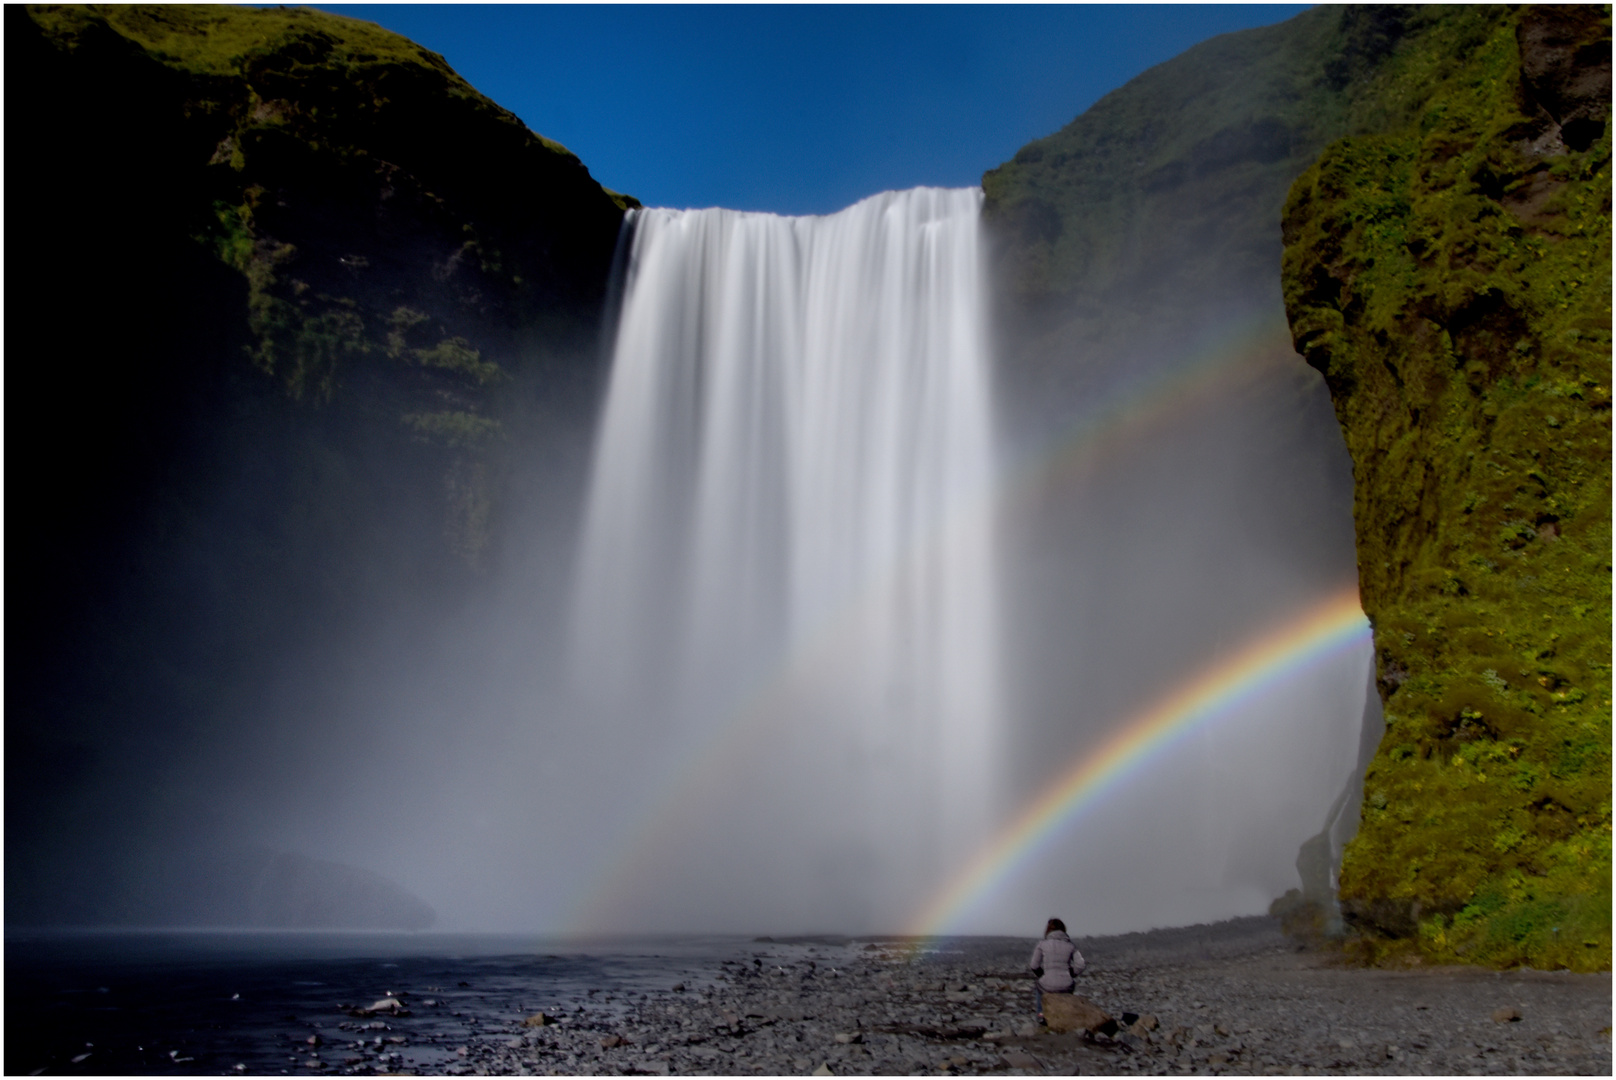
610, 1041
1505, 1014
539, 1019
1073, 1012
1145, 1024
849, 1037
1020, 1059
823, 1070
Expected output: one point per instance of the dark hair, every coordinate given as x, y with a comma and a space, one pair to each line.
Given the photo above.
1054, 925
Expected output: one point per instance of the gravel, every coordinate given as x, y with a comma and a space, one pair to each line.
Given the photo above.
1234, 997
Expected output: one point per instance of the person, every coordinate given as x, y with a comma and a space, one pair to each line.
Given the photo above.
1056, 963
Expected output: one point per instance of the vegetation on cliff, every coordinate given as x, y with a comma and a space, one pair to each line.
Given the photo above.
308, 319
1449, 274
394, 229
1157, 210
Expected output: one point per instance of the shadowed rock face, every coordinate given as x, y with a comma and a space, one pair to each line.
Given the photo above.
1448, 275
1565, 73
291, 299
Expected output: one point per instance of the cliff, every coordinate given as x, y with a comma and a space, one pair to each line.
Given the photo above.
1157, 210
298, 321
1445, 253
1200, 492
1449, 275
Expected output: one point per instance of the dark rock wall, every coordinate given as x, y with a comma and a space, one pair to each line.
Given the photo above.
299, 324
1450, 277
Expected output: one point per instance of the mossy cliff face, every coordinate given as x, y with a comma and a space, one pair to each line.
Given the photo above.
1449, 275
402, 240
299, 321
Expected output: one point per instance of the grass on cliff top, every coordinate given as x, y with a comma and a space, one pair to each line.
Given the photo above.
220, 40
1187, 165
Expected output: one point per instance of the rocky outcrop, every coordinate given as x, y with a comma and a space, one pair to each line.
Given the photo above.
1449, 275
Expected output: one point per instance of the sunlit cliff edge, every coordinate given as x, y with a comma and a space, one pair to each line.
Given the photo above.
1449, 274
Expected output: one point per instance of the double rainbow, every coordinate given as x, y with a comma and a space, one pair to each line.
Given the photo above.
1327, 629
1243, 352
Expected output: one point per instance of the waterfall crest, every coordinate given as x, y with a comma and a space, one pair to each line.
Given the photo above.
788, 544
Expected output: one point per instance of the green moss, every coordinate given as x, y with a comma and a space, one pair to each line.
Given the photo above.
299, 106
409, 253
457, 430
1450, 278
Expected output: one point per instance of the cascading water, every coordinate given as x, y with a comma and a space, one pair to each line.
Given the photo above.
786, 598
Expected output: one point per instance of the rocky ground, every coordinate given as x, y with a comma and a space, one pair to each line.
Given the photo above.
1231, 998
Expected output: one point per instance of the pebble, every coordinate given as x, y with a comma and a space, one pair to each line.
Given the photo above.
1230, 998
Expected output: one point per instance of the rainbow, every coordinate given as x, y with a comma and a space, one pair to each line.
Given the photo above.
1244, 350
1327, 629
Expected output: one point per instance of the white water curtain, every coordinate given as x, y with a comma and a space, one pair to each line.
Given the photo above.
786, 571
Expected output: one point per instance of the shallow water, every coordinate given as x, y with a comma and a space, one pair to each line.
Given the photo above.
210, 1002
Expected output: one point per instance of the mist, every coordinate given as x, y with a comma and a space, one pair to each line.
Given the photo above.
455, 742
278, 661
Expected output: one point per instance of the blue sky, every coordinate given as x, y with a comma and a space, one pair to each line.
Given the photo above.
797, 109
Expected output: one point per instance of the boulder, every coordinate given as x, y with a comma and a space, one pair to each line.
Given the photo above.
1505, 1014
1073, 1012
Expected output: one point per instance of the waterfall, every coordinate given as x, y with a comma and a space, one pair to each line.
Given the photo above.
787, 555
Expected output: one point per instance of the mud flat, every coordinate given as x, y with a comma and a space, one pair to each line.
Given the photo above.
1233, 997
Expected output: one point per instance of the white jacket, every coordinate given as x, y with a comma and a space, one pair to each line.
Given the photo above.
1060, 961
